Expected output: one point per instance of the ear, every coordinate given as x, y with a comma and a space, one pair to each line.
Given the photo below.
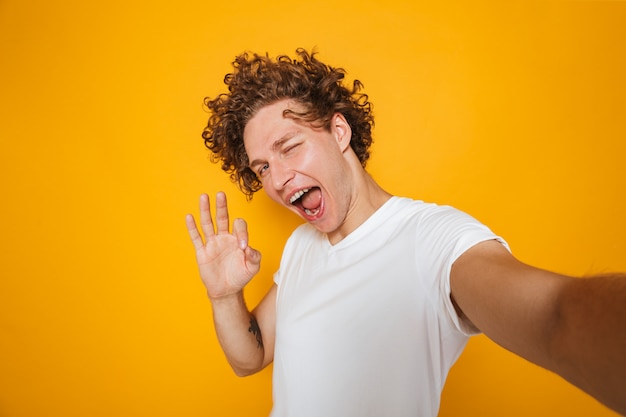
341, 130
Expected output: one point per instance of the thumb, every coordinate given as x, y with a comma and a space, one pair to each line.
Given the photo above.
253, 255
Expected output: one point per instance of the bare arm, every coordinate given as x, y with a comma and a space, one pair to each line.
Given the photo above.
593, 312
572, 326
227, 263
246, 337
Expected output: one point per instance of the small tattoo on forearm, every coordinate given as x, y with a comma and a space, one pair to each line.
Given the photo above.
256, 331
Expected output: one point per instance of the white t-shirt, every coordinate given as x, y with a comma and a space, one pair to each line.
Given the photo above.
366, 327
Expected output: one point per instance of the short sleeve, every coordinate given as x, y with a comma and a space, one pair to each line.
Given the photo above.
446, 233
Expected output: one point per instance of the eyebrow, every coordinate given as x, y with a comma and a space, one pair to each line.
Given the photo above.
275, 146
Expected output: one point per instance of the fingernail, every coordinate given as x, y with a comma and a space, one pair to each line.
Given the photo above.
243, 244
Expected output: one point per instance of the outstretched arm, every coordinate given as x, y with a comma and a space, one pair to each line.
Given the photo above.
575, 327
227, 263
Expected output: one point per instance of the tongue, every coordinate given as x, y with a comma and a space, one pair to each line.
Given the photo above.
312, 199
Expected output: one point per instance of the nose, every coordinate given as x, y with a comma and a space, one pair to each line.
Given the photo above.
281, 174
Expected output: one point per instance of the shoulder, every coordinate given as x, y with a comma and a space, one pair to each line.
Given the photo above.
305, 234
433, 217
305, 231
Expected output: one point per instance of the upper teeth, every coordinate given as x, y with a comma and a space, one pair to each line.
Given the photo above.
297, 195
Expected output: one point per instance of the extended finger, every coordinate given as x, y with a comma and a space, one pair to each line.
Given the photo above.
205, 216
221, 213
194, 234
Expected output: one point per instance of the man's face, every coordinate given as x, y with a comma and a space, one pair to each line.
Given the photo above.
302, 168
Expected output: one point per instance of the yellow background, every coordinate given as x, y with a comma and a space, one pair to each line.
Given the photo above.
512, 111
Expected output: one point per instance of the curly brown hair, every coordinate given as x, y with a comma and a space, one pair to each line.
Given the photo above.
258, 81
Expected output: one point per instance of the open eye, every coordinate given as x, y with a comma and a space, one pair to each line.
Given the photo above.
263, 169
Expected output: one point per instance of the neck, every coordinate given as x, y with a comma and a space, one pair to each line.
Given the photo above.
367, 198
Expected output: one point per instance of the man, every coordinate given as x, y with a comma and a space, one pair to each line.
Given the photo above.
376, 294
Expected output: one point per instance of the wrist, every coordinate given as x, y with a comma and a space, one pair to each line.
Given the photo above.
225, 299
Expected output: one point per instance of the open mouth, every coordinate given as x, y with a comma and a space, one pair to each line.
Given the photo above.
309, 200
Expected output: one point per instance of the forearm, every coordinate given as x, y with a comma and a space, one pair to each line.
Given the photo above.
574, 327
589, 345
239, 334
